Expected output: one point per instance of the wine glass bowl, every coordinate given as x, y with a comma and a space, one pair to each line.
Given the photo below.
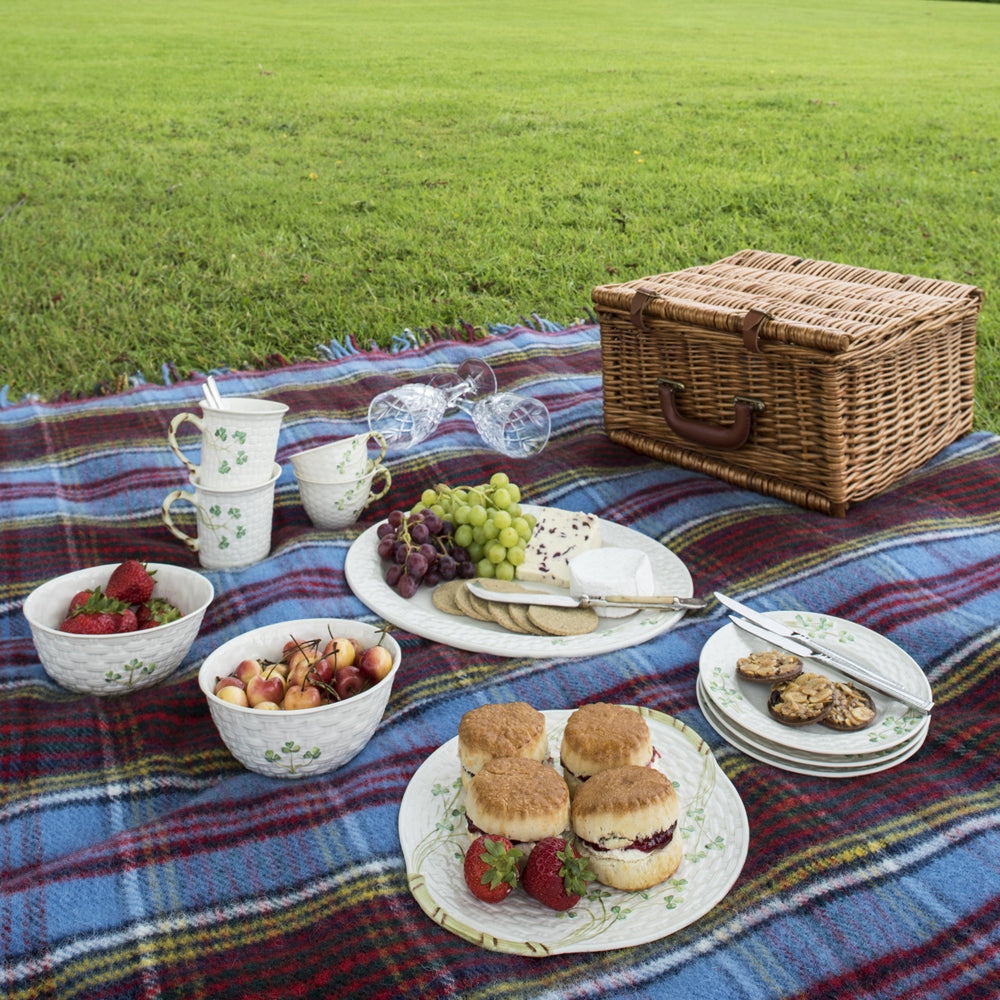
516, 426
408, 414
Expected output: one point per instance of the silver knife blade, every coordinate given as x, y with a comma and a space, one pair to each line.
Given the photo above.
550, 600
844, 663
845, 666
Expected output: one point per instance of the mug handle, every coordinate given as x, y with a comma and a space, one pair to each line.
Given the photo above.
387, 475
379, 439
175, 425
168, 501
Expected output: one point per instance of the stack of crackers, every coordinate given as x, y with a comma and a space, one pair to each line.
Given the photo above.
455, 598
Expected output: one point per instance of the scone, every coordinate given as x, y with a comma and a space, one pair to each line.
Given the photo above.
599, 736
504, 729
519, 799
625, 821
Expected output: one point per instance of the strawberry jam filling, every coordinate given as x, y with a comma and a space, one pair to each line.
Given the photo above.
584, 777
645, 844
474, 831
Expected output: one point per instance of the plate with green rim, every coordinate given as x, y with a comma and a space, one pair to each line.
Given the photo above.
712, 822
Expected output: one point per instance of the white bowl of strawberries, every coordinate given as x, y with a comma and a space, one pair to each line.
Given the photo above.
119, 627
300, 697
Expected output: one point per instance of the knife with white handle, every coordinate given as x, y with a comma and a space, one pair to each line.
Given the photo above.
549, 600
794, 641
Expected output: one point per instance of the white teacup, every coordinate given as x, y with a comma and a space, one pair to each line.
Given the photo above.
238, 441
234, 526
338, 460
339, 504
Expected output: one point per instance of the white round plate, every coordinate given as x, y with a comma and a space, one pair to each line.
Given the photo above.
712, 823
803, 756
365, 574
813, 769
745, 702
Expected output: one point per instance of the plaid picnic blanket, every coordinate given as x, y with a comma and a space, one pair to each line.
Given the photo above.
139, 859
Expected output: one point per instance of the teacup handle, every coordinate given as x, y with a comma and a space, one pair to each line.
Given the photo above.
175, 425
379, 439
168, 501
383, 471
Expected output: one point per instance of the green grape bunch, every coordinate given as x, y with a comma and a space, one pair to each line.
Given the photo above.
487, 521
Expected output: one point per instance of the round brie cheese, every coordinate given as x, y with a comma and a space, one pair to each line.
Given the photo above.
599, 572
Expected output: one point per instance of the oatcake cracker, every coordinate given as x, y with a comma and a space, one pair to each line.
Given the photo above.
443, 597
501, 614
519, 612
483, 608
563, 621
463, 598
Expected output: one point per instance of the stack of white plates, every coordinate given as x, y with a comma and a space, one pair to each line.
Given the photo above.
737, 709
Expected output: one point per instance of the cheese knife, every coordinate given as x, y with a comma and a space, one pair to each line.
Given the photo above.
797, 642
548, 599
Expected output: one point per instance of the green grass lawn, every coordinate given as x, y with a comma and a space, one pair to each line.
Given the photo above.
211, 181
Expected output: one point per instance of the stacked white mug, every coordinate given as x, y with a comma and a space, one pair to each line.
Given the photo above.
336, 479
233, 483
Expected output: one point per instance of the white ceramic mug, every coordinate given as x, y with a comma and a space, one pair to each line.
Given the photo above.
338, 505
234, 526
338, 460
238, 441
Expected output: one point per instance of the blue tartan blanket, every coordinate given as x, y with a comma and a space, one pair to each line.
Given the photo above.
139, 859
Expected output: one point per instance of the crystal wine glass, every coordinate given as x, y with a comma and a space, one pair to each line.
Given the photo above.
409, 414
516, 426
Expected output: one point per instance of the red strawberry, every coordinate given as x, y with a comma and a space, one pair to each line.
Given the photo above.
491, 870
98, 615
91, 623
79, 600
157, 611
127, 621
130, 582
555, 874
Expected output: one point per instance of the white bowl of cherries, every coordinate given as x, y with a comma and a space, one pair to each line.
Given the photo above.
300, 697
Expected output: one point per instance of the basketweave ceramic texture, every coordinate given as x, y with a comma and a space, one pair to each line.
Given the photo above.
339, 505
338, 460
127, 661
233, 526
238, 442
296, 744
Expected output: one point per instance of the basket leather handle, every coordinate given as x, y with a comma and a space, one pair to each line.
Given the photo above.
724, 437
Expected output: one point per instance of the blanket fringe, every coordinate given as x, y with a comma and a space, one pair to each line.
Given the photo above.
407, 340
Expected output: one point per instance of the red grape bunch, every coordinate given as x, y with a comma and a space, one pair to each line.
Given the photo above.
421, 549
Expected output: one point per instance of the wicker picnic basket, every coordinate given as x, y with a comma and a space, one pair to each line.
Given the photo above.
818, 383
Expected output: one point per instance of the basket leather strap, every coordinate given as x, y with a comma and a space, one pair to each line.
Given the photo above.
751, 329
639, 299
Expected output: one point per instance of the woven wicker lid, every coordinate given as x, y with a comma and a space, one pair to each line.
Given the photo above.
778, 297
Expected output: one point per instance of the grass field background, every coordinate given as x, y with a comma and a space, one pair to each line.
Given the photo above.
208, 182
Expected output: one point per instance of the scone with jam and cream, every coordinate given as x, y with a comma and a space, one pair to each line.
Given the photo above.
625, 822
517, 798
